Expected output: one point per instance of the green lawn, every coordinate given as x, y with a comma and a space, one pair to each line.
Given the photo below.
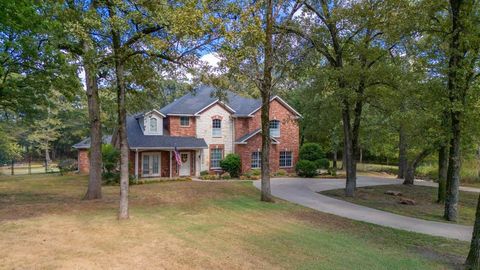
195, 225
425, 197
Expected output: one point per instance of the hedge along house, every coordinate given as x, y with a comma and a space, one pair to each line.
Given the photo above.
203, 129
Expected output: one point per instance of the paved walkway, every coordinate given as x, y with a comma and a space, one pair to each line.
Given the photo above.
304, 192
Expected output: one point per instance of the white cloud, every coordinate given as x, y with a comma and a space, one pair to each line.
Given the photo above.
211, 59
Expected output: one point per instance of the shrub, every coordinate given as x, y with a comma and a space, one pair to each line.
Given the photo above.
209, 177
311, 151
256, 172
232, 164
110, 157
111, 178
332, 171
306, 168
203, 173
322, 163
281, 172
226, 176
67, 165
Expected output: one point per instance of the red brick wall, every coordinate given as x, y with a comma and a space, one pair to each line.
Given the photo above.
173, 126
164, 163
83, 161
289, 137
241, 126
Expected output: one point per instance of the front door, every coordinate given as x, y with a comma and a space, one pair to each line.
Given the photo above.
151, 164
185, 167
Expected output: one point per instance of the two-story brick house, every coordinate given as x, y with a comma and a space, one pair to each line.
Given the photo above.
204, 129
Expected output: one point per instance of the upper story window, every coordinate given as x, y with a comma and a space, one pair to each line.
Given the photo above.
153, 125
275, 128
184, 121
216, 128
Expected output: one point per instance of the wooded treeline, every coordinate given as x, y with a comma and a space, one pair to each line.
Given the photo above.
380, 79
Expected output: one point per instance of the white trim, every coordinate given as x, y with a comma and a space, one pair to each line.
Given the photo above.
157, 111
244, 141
168, 148
291, 159
213, 103
283, 102
159, 164
251, 135
136, 164
189, 164
170, 163
179, 114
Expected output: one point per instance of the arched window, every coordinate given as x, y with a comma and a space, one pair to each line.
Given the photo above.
275, 128
153, 124
217, 128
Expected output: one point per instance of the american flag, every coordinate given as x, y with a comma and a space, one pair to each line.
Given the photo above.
177, 157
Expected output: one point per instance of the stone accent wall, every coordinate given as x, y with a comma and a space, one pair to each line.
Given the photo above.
176, 129
204, 130
83, 161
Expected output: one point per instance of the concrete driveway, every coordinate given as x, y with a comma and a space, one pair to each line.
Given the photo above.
303, 191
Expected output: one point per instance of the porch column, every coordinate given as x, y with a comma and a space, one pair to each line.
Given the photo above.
136, 164
170, 163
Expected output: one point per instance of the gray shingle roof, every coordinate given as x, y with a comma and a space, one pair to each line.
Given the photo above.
136, 139
249, 135
85, 144
202, 96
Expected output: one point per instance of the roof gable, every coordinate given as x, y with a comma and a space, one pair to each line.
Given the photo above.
203, 97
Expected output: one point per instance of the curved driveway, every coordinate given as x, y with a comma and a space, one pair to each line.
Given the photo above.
303, 191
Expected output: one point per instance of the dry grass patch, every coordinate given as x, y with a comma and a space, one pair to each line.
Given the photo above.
194, 225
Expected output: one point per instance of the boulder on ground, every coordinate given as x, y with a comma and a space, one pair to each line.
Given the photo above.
393, 193
407, 201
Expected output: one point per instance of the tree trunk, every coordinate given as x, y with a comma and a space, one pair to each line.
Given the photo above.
457, 99
409, 175
343, 159
348, 152
402, 153
473, 258
335, 153
12, 169
442, 173
453, 171
47, 159
122, 115
94, 190
29, 163
265, 111
412, 167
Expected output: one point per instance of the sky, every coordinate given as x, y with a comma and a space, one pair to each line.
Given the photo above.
209, 58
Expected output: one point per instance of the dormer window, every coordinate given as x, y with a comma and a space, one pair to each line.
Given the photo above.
153, 125
275, 128
216, 128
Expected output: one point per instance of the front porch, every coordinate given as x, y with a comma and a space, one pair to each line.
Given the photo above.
161, 163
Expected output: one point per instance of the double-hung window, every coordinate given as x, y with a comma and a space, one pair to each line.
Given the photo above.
216, 128
153, 125
256, 160
285, 159
216, 155
184, 121
275, 128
